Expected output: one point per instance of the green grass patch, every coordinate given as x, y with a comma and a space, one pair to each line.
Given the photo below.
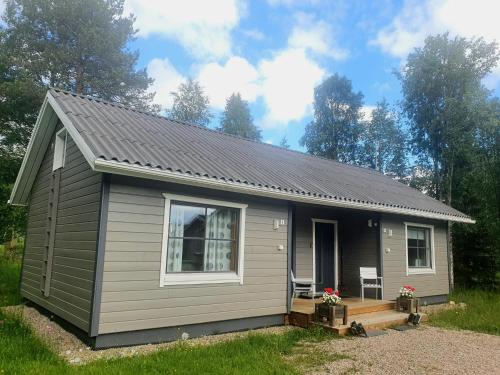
480, 315
21, 352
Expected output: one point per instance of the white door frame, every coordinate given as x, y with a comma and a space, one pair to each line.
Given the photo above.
335, 249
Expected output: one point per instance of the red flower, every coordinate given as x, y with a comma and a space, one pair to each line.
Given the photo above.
336, 293
328, 291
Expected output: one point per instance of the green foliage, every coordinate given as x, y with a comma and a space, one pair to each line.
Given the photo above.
284, 142
443, 99
191, 104
10, 268
480, 315
77, 45
237, 120
334, 133
383, 142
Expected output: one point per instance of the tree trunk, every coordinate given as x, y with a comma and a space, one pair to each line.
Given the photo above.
79, 79
451, 278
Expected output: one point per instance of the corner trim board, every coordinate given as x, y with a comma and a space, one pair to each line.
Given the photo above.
157, 335
99, 262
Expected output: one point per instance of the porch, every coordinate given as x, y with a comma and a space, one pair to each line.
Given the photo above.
329, 245
373, 314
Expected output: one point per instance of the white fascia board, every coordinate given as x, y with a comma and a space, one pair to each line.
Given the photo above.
33, 155
72, 131
106, 166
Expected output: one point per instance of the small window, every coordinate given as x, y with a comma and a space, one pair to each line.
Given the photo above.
420, 248
60, 149
203, 241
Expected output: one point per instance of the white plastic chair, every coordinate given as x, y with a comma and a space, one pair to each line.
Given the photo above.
302, 286
369, 273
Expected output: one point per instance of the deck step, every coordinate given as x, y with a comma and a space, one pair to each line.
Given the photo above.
370, 308
374, 320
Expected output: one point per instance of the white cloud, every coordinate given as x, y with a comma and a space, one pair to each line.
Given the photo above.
166, 80
418, 19
316, 36
203, 28
367, 112
236, 75
288, 85
269, 141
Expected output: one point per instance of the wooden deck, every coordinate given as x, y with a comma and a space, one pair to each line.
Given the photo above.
373, 314
356, 306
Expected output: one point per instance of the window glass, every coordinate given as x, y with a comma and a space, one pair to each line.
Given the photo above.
202, 238
419, 247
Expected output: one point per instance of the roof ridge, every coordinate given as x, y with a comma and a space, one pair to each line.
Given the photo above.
181, 122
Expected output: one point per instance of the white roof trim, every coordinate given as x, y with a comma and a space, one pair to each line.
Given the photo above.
37, 146
126, 169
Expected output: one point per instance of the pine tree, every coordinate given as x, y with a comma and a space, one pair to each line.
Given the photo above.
284, 142
77, 45
237, 119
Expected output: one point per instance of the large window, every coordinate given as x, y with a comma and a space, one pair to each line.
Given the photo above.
420, 248
203, 241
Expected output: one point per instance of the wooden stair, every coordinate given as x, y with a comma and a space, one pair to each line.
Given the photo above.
372, 314
371, 308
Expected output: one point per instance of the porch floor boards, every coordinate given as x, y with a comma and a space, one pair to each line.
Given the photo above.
356, 306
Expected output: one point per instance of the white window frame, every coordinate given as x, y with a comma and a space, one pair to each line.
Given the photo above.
420, 271
191, 278
60, 149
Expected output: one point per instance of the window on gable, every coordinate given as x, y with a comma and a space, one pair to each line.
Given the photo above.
420, 248
60, 149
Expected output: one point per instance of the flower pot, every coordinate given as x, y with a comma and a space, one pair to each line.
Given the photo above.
329, 313
407, 305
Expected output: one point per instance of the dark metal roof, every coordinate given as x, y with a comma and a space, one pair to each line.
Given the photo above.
117, 133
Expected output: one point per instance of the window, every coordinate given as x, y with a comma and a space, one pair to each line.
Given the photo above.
59, 149
420, 248
202, 241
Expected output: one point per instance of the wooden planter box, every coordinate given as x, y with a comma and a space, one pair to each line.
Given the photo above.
407, 305
326, 313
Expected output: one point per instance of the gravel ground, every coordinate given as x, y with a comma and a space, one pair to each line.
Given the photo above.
69, 347
426, 350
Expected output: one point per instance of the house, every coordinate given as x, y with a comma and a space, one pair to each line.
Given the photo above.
142, 228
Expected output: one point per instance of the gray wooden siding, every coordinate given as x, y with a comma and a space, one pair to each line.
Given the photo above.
131, 296
395, 261
75, 239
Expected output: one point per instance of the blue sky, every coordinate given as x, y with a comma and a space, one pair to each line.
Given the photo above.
275, 52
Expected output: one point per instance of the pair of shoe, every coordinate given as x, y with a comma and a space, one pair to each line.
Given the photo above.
357, 329
414, 319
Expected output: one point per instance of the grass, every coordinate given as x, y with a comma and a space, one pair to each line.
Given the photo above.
288, 353
480, 315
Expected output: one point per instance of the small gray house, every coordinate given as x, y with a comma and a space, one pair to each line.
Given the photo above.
141, 228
